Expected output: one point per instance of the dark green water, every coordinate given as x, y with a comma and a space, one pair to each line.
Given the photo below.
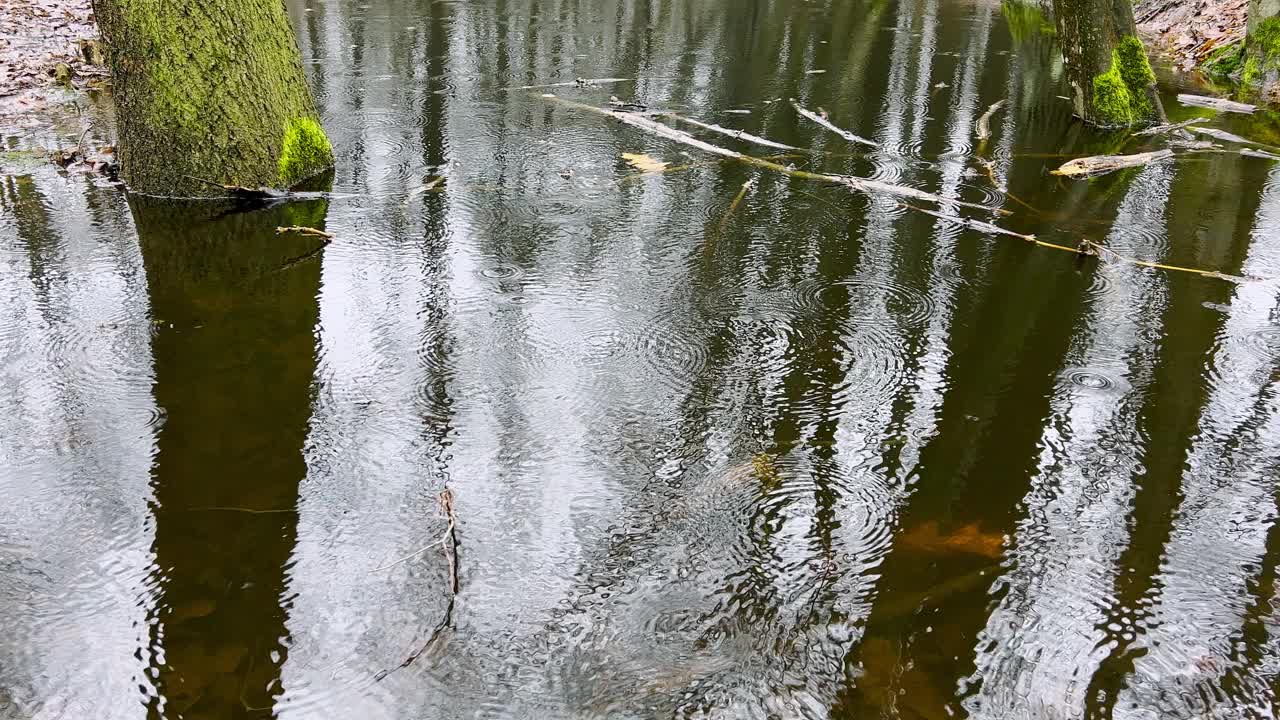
808, 455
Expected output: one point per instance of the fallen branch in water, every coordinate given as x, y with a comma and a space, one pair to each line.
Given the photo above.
1102, 251
325, 239
984, 122
877, 187
1102, 164
1162, 129
735, 134
1222, 135
990, 172
243, 193
980, 226
864, 185
300, 230
827, 124
1085, 248
450, 541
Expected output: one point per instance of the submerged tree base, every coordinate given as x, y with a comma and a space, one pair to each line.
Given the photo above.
214, 95
1107, 66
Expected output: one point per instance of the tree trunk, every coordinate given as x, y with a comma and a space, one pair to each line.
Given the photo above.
210, 90
1262, 48
1111, 79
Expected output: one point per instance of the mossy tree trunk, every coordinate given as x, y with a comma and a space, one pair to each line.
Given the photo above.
1262, 48
1111, 79
210, 90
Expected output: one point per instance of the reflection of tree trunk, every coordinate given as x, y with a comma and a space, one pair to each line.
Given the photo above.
1111, 80
210, 92
234, 361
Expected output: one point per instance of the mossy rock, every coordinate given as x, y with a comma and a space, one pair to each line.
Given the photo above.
1225, 62
1261, 68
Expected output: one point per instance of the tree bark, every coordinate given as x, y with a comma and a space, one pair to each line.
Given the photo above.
210, 91
1262, 48
1111, 79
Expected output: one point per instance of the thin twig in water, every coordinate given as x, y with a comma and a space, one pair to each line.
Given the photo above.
859, 184
735, 134
1102, 251
450, 541
446, 505
80, 142
410, 556
746, 188
978, 225
827, 124
1086, 247
990, 172
1171, 127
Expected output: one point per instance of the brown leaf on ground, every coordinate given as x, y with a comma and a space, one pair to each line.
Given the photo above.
1189, 31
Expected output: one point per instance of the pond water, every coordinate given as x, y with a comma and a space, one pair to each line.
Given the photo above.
781, 452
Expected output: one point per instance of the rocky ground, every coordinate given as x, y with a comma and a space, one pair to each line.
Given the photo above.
1189, 31
48, 49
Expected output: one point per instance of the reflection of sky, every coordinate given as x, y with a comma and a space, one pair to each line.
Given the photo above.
75, 453
1044, 640
1215, 552
591, 360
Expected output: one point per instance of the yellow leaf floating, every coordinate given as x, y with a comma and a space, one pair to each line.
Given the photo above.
644, 163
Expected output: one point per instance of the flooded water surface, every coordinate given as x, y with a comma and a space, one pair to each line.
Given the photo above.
573, 420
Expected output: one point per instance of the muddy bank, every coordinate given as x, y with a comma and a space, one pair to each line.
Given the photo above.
1189, 32
48, 54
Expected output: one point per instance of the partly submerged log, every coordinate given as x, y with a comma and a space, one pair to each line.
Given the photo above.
815, 117
1250, 152
1102, 164
1218, 104
860, 184
1222, 135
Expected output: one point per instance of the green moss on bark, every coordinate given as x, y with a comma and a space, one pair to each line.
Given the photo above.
305, 151
1262, 53
1120, 95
